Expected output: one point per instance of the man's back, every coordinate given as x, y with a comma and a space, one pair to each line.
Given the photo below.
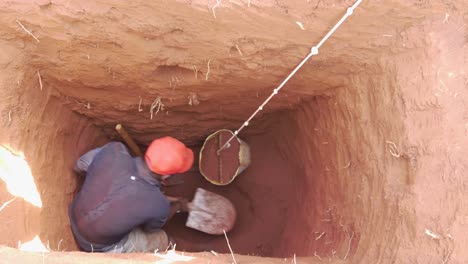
118, 195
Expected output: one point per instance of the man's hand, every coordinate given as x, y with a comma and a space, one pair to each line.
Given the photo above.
180, 203
184, 204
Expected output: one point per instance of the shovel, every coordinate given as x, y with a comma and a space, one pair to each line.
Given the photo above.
209, 212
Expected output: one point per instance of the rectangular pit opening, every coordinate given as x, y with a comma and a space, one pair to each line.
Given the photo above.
345, 159
299, 196
294, 198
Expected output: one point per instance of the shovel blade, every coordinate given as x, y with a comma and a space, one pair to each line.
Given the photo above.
211, 213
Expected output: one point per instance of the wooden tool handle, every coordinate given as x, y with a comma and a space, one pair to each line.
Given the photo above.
126, 137
133, 146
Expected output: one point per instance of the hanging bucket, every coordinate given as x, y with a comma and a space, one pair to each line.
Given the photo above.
222, 169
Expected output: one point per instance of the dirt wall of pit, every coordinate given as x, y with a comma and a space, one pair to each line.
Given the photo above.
36, 125
112, 62
392, 139
382, 110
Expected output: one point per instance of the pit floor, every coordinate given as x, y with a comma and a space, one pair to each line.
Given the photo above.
261, 195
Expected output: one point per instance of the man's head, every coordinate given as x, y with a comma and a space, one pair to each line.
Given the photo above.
168, 155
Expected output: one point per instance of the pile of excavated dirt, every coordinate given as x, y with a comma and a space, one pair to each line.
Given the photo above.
360, 158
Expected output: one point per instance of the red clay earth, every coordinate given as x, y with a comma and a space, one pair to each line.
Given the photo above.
223, 167
365, 149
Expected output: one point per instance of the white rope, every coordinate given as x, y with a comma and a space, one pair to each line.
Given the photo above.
313, 51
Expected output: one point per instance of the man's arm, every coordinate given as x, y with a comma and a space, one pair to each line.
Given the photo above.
176, 207
160, 216
181, 205
84, 161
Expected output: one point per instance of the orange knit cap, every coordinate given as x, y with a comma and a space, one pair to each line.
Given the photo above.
168, 155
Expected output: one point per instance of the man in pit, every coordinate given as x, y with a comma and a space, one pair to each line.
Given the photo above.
120, 207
